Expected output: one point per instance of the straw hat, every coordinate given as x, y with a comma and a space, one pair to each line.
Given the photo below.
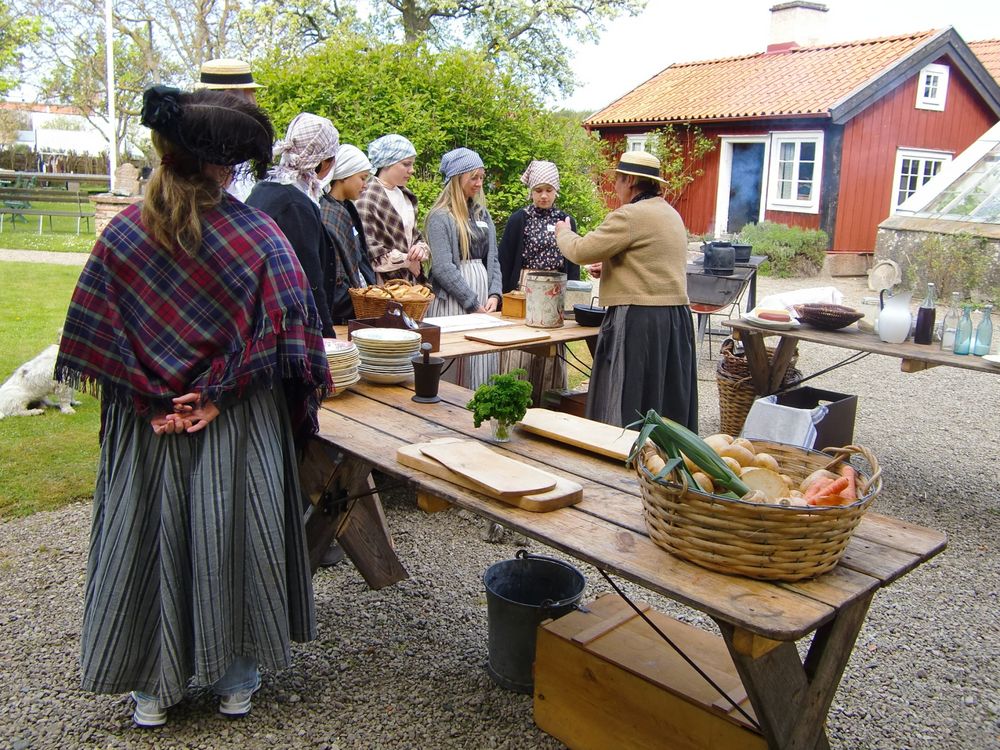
640, 164
227, 73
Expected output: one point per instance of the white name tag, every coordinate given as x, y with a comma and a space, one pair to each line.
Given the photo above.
551, 227
355, 229
481, 224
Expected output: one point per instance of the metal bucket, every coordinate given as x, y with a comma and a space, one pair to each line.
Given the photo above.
520, 594
544, 294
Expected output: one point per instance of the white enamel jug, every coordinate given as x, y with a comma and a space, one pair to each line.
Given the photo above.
894, 319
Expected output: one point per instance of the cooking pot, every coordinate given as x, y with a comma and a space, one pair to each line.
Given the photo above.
742, 251
720, 258
589, 315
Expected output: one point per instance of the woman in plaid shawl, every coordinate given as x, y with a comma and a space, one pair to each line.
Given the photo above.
194, 323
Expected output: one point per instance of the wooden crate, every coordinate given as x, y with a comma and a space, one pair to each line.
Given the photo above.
606, 679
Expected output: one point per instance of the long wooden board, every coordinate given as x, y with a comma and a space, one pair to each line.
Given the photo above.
563, 494
596, 437
495, 473
507, 336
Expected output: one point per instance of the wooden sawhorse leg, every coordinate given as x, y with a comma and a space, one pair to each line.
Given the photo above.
791, 698
343, 505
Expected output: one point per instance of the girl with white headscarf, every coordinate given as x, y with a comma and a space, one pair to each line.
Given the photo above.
290, 195
529, 244
389, 211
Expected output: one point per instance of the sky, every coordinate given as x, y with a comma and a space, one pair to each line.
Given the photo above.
632, 50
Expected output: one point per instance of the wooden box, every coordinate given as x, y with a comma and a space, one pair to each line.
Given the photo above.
605, 678
429, 333
513, 305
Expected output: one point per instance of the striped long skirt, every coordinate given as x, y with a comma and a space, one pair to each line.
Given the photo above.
468, 372
197, 551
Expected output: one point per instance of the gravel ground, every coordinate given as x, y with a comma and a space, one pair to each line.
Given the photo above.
403, 667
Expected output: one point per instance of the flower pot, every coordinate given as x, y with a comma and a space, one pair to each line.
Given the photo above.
501, 430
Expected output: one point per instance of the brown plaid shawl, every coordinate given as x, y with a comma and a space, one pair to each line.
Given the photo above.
384, 228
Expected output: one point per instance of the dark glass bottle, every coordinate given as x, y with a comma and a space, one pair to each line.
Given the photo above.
924, 332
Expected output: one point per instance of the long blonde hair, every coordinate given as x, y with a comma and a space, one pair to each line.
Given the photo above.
452, 200
177, 196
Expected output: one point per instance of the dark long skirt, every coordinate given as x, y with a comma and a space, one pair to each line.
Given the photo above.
197, 552
645, 359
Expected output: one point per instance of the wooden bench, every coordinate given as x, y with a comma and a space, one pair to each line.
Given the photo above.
19, 203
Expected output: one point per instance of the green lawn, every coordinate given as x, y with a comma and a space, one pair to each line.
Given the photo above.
49, 460
61, 236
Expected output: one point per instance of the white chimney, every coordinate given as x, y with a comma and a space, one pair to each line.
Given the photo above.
795, 24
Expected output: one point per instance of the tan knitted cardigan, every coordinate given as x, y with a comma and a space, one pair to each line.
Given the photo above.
643, 250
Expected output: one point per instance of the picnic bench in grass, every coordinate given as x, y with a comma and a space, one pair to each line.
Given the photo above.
785, 696
20, 202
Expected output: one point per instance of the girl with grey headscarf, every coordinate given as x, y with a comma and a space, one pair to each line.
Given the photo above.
290, 195
389, 211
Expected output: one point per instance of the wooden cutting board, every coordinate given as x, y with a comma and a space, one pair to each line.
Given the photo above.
597, 437
494, 472
564, 492
505, 337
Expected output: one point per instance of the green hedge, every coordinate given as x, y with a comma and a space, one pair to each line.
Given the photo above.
790, 251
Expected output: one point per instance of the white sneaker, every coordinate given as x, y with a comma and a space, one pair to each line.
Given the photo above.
238, 704
148, 712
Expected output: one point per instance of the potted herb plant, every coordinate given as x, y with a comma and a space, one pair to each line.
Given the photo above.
504, 400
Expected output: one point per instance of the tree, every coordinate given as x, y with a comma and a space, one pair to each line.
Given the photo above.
16, 32
680, 149
440, 100
525, 37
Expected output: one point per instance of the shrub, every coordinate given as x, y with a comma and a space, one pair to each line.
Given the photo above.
790, 251
439, 101
954, 262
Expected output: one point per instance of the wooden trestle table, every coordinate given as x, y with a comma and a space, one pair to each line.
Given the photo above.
760, 622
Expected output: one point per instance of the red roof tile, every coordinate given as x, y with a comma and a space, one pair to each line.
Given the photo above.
988, 52
801, 81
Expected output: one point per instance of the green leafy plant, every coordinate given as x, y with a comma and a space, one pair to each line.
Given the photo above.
954, 262
505, 398
681, 150
790, 251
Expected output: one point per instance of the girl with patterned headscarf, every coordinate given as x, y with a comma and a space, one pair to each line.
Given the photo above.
290, 195
388, 211
529, 244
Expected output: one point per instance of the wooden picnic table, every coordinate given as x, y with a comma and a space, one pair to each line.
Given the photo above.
760, 621
767, 376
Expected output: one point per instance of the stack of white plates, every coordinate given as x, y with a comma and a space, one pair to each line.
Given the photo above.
344, 360
385, 353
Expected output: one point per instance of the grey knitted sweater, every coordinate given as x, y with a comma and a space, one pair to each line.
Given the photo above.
442, 236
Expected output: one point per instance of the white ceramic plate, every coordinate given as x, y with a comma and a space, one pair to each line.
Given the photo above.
338, 346
772, 324
385, 379
385, 335
993, 359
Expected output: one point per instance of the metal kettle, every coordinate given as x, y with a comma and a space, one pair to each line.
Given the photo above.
720, 258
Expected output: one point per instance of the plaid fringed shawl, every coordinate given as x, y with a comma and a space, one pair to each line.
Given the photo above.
148, 324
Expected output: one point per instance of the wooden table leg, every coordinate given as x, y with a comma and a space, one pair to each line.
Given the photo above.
767, 376
359, 524
791, 698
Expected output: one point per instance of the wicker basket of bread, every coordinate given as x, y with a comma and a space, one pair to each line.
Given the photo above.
372, 301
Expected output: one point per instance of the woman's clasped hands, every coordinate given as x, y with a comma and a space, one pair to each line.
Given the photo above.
190, 415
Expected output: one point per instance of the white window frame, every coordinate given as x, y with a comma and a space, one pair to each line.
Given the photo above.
637, 142
922, 155
798, 137
932, 87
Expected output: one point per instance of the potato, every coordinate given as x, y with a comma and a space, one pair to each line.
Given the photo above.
718, 443
704, 481
741, 454
691, 465
655, 464
788, 480
743, 442
766, 461
766, 481
733, 464
755, 496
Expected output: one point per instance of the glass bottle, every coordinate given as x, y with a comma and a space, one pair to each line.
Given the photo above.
949, 324
984, 333
963, 334
926, 313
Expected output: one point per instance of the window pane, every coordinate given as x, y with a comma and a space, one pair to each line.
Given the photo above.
807, 151
806, 171
787, 151
785, 189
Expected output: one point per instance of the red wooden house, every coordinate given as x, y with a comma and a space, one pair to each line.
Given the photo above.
830, 136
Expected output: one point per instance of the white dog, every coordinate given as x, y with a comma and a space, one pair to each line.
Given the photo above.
32, 383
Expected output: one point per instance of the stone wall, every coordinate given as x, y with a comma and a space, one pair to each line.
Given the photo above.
106, 206
900, 236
